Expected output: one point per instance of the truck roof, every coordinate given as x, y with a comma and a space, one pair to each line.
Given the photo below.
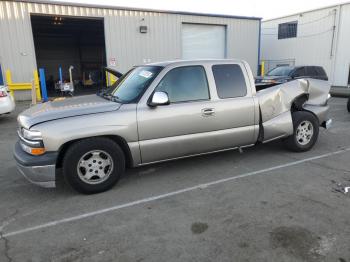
200, 61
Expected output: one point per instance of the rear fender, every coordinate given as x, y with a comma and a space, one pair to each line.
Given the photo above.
278, 102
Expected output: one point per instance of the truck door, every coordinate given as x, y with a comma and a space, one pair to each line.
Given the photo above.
194, 122
180, 128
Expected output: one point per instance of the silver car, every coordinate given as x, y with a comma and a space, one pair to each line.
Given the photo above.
164, 111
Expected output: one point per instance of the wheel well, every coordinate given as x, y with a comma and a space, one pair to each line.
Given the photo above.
117, 139
298, 102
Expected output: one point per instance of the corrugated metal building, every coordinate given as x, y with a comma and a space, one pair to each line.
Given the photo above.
48, 34
316, 37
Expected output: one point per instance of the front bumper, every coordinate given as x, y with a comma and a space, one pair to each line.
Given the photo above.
43, 176
39, 170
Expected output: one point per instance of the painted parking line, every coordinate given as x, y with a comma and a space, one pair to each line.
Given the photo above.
166, 195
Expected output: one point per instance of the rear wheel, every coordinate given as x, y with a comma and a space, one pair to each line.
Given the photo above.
93, 165
349, 104
306, 129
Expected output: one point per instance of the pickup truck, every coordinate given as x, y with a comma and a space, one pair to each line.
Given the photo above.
164, 111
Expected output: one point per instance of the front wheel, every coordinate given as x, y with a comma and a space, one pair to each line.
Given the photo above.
93, 165
306, 129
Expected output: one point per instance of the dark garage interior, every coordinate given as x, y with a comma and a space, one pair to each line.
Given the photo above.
62, 41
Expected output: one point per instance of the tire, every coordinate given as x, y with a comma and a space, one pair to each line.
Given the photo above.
349, 105
93, 165
305, 134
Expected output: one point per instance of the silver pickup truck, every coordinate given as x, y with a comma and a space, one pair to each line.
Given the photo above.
164, 111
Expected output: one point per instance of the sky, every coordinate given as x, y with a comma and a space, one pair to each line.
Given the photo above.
266, 9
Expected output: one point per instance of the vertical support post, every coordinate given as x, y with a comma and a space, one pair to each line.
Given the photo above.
9, 82
71, 75
43, 84
262, 68
259, 45
33, 92
37, 86
60, 74
1, 78
8, 77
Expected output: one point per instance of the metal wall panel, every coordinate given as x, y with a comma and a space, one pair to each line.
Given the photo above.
342, 58
124, 42
318, 42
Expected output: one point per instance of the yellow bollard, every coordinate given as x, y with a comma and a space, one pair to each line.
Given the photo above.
23, 86
262, 68
37, 87
9, 82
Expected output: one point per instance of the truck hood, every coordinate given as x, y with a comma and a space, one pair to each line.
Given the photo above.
65, 107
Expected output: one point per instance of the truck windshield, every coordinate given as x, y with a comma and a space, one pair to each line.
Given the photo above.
131, 85
280, 71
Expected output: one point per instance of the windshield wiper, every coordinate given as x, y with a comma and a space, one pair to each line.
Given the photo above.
104, 95
108, 96
116, 99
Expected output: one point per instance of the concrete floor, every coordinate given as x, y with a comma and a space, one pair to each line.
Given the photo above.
266, 204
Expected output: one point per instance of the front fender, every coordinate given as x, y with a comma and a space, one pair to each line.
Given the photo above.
60, 131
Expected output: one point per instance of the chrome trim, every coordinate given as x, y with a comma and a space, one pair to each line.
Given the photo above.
44, 176
37, 143
31, 134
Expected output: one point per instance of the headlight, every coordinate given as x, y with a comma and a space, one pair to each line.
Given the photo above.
31, 134
31, 141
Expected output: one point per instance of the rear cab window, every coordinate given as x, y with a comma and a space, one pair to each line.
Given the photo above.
299, 72
311, 71
320, 71
229, 80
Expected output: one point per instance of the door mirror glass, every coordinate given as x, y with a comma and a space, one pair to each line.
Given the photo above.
159, 98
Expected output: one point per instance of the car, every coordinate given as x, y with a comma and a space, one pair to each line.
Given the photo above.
283, 74
7, 103
160, 112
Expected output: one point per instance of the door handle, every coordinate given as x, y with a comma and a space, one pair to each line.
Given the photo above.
208, 112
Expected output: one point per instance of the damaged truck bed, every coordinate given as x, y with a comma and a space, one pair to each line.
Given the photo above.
278, 103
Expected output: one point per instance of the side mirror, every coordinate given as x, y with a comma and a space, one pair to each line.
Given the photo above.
159, 99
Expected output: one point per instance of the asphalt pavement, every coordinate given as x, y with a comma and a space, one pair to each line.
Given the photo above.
265, 204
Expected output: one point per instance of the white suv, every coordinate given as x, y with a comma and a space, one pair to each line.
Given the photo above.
7, 103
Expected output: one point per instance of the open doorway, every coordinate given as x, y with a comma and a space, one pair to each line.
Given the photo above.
63, 41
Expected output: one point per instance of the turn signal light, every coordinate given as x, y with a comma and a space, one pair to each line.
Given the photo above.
37, 151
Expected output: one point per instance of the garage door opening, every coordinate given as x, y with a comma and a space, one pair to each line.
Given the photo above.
203, 41
62, 41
